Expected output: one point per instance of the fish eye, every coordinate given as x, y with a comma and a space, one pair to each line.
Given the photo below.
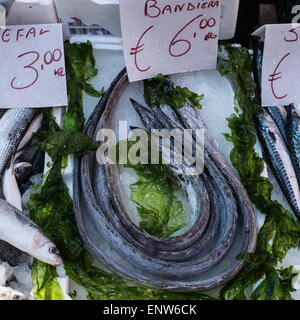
53, 250
16, 297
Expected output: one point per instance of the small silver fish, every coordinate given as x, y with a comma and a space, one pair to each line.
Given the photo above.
7, 293
22, 233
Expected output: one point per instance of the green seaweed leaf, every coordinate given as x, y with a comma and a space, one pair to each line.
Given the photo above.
158, 93
161, 212
45, 282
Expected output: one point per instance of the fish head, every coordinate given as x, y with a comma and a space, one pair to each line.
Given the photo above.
7, 293
45, 250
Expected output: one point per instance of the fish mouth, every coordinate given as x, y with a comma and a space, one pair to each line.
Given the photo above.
58, 261
54, 260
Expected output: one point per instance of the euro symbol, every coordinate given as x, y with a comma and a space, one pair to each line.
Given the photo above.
276, 76
139, 48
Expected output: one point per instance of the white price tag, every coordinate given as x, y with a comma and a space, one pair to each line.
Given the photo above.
32, 66
281, 64
163, 36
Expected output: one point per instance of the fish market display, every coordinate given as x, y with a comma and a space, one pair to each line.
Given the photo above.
223, 224
279, 133
278, 157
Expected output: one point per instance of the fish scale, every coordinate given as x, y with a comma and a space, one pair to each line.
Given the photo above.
293, 137
173, 268
278, 157
12, 255
276, 114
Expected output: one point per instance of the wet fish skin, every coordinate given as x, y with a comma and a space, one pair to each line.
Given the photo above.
227, 204
13, 126
33, 128
22, 233
7, 293
85, 189
12, 255
293, 137
279, 116
10, 187
278, 157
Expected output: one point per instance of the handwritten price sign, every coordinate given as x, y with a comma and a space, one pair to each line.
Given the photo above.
32, 66
281, 64
169, 36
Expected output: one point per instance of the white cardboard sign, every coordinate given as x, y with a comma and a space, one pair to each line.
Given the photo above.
281, 64
163, 36
32, 66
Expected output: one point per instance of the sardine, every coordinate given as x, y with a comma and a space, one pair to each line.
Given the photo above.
7, 293
278, 157
22, 233
293, 137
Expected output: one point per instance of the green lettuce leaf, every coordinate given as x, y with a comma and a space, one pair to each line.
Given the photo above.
45, 282
161, 212
158, 93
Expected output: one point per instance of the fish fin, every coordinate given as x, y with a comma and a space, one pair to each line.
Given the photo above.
11, 189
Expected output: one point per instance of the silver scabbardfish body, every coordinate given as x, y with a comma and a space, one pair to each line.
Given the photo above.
7, 293
202, 258
278, 157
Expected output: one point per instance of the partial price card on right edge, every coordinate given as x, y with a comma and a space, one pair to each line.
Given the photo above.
281, 65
